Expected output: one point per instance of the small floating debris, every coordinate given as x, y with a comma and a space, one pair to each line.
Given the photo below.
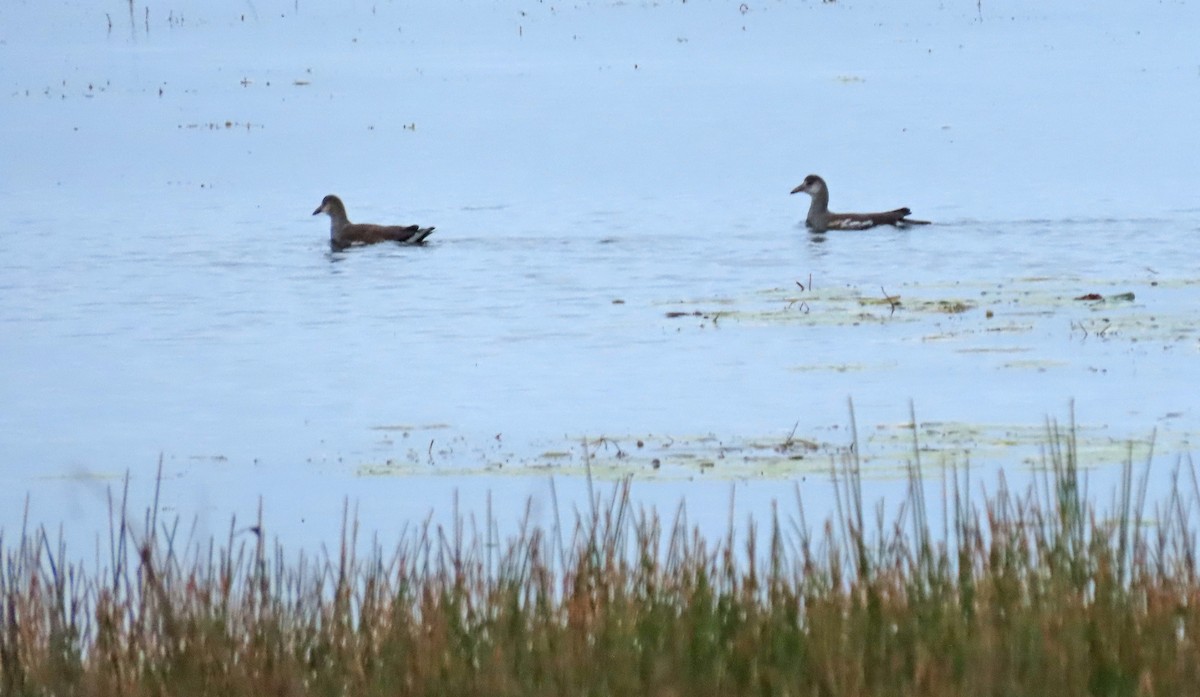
208, 458
1096, 297
953, 307
218, 126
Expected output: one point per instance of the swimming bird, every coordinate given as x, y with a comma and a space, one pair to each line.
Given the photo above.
820, 219
343, 233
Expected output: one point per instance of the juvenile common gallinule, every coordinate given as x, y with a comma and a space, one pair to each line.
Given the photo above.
343, 233
820, 219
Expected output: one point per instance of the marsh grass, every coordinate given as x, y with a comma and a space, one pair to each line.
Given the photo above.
1035, 593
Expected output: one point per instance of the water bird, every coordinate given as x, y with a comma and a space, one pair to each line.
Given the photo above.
821, 219
343, 233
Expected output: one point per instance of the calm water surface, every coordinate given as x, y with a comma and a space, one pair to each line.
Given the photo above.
616, 256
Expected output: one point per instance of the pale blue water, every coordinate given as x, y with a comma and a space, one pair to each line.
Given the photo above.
164, 290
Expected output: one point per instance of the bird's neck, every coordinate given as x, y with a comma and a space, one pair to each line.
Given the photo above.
337, 222
818, 210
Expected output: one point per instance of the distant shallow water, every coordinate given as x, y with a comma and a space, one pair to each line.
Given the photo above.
617, 258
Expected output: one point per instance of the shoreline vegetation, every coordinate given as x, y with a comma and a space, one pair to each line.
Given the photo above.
1040, 592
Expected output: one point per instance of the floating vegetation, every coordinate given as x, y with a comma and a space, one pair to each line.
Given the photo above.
783, 455
1022, 304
